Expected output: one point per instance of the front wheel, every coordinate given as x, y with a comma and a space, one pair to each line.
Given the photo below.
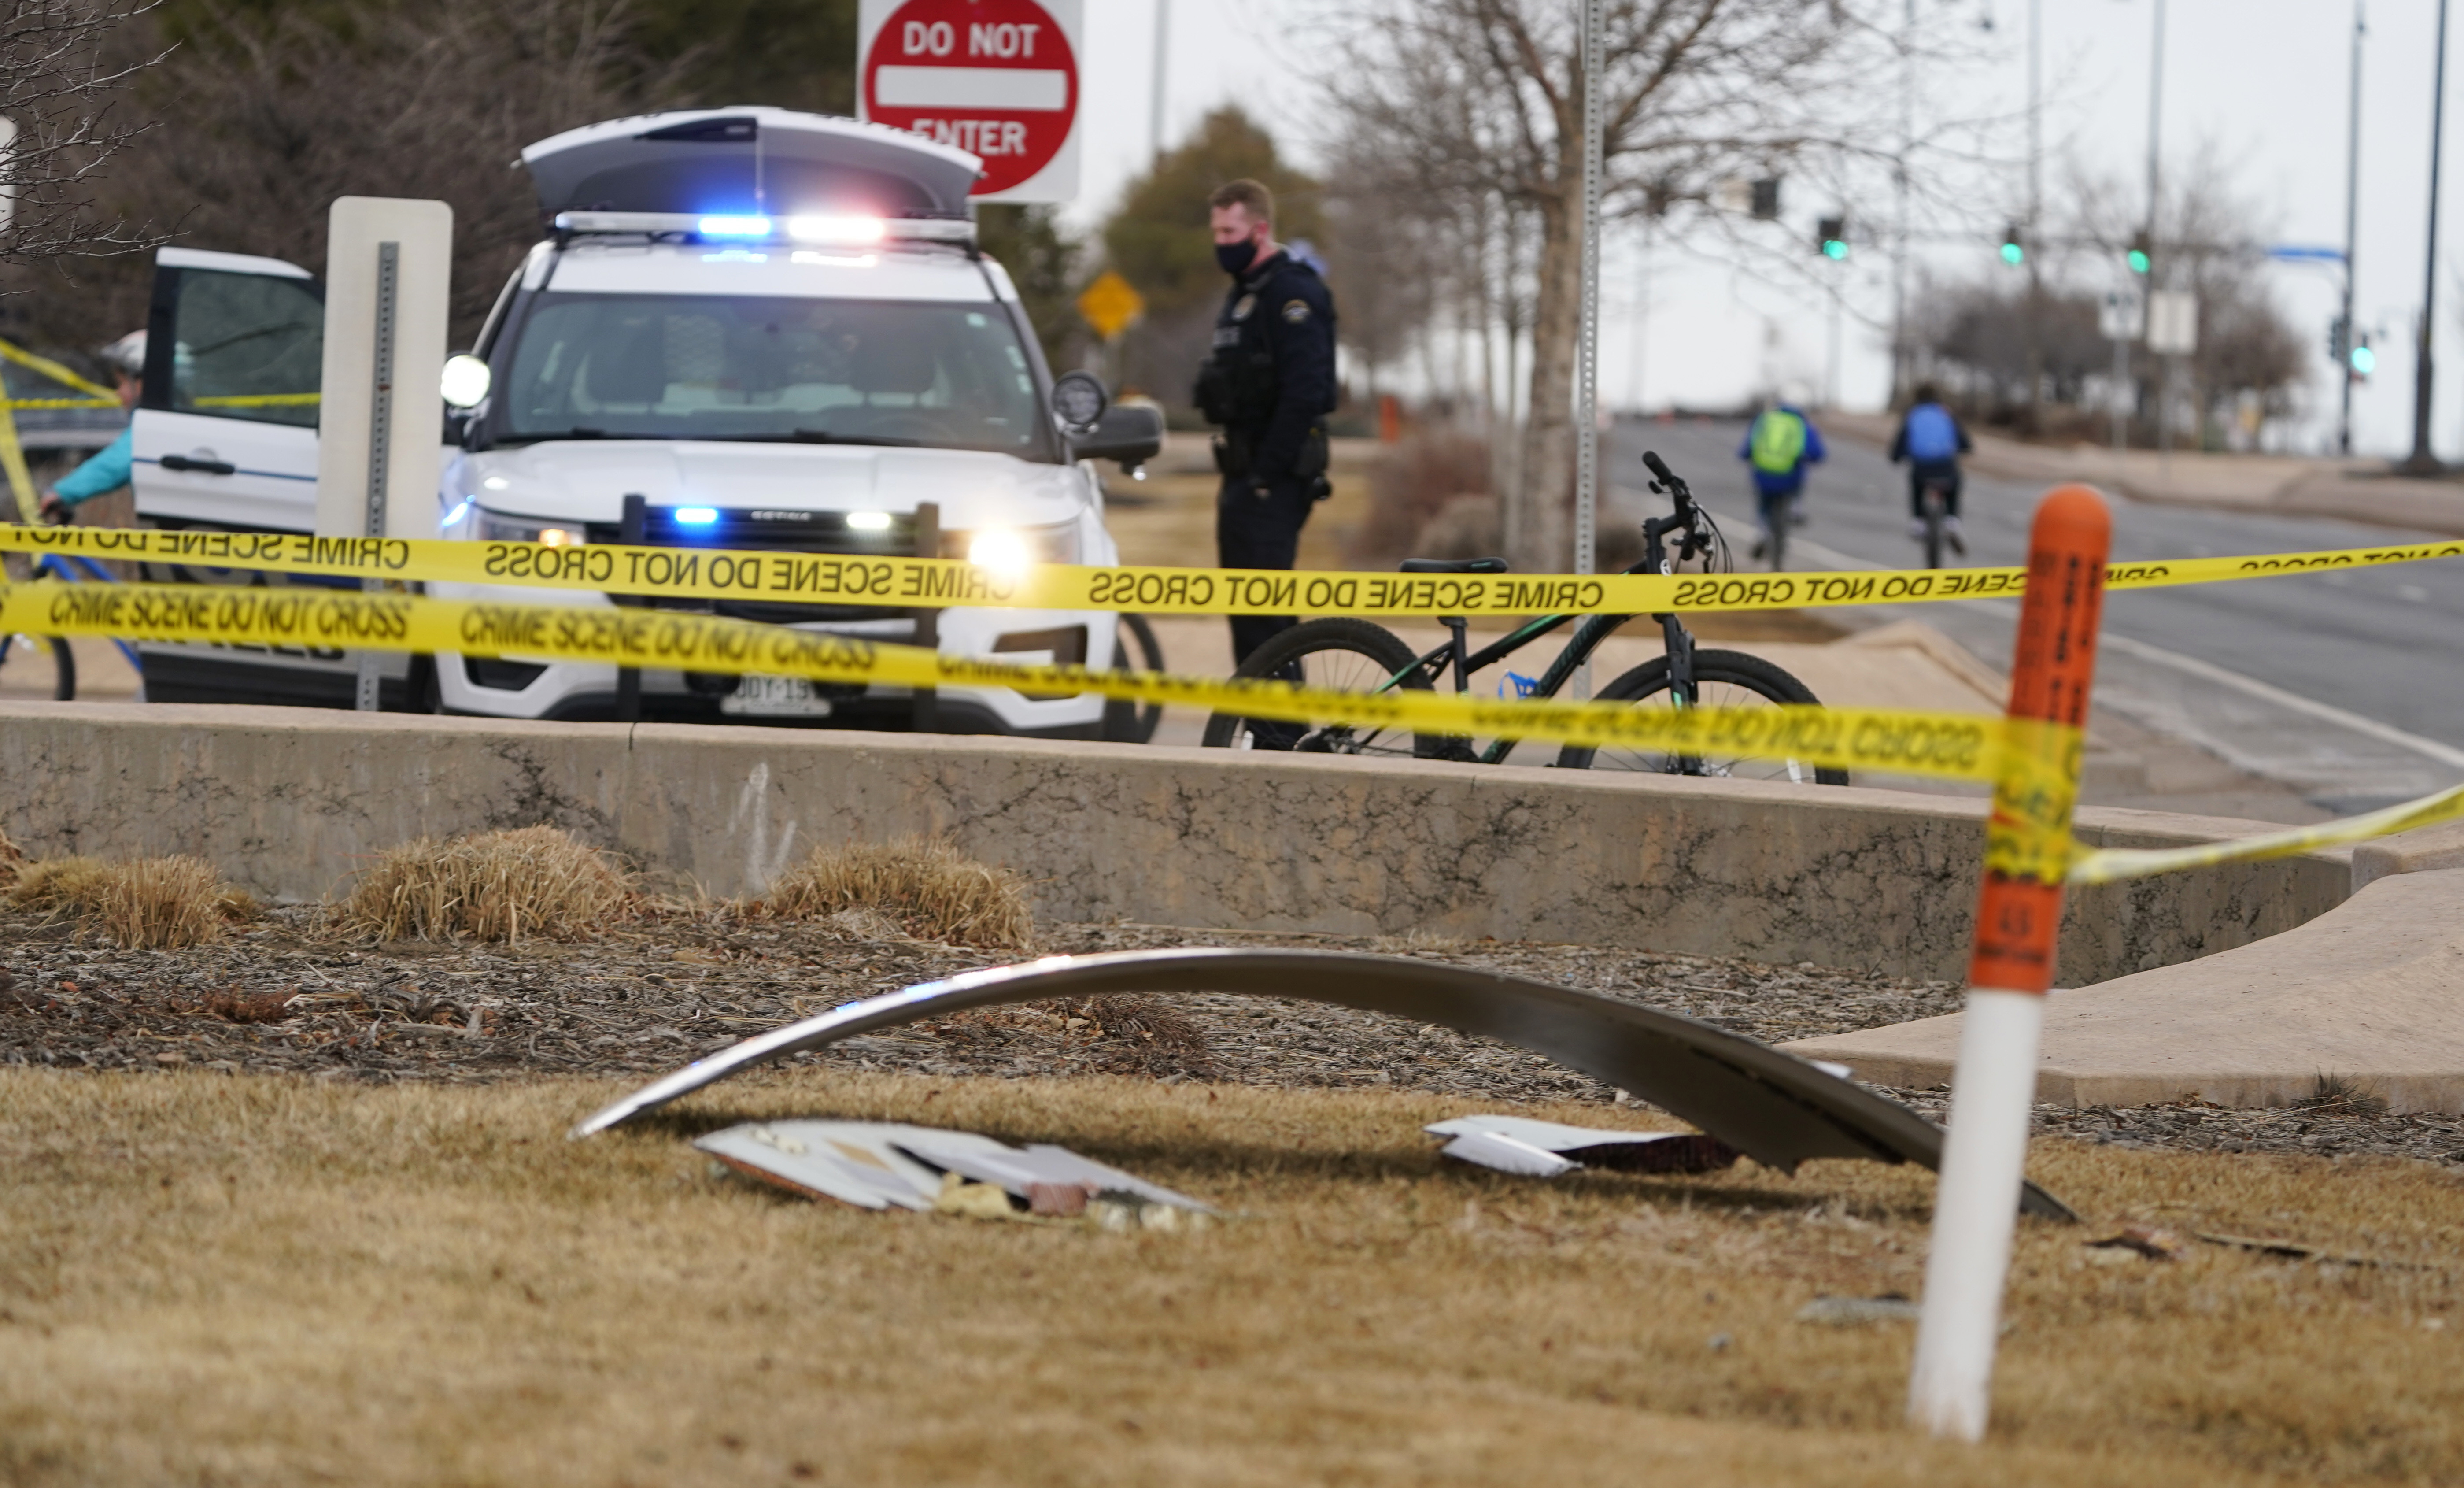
1722, 679
1337, 654
23, 664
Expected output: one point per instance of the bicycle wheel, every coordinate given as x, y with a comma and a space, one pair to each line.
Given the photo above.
1126, 721
1338, 654
1779, 541
22, 664
1722, 679
1932, 527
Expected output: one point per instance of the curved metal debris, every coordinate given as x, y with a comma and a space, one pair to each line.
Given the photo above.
1776, 1108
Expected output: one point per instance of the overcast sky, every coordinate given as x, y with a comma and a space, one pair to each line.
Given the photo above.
2264, 82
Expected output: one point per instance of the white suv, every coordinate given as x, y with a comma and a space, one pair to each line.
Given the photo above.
773, 328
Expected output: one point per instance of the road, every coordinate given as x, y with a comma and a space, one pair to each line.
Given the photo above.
2346, 686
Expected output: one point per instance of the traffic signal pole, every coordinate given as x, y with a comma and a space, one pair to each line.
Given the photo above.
2352, 220
2422, 462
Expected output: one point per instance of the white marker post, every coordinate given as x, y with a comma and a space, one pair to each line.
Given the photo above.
2018, 922
389, 267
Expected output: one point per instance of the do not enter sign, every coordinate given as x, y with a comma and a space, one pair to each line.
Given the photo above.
998, 78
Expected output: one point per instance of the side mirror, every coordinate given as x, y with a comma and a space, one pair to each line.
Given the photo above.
1130, 433
464, 382
1079, 401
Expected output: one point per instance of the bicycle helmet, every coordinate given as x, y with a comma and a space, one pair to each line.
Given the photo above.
127, 354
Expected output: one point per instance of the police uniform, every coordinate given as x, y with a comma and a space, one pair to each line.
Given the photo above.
1269, 382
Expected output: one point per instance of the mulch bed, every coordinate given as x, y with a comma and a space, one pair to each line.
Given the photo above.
284, 996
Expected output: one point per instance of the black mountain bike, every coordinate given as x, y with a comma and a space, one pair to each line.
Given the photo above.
1349, 655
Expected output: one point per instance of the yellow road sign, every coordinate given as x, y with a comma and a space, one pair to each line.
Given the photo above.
1111, 304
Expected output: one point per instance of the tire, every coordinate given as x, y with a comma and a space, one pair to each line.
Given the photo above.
1779, 543
1932, 528
1340, 654
21, 660
1722, 679
1126, 721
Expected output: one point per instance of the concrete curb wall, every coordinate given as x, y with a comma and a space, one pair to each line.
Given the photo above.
2367, 993
290, 801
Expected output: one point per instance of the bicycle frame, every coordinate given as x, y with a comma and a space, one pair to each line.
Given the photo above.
57, 566
1594, 629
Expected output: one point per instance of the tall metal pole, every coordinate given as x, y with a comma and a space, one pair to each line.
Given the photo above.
1900, 184
2422, 461
2352, 221
1587, 394
2035, 245
1154, 94
2155, 142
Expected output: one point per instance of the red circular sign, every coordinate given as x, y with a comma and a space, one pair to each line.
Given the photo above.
995, 77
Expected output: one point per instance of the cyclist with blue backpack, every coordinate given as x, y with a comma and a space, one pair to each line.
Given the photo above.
1780, 443
1932, 440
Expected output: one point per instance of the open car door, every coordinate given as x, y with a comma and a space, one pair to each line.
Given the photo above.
225, 432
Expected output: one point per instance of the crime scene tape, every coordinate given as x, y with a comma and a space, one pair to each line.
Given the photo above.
1959, 746
11, 352
2112, 865
946, 583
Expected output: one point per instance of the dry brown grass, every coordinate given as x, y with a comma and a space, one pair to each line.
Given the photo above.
151, 903
12, 861
924, 885
487, 886
231, 1279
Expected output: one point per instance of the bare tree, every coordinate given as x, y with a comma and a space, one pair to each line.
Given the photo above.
1484, 99
271, 117
64, 66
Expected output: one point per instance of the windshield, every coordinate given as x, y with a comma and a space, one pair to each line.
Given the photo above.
699, 366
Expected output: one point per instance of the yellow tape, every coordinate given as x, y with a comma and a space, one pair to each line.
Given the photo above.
62, 403
1950, 745
257, 399
943, 582
2028, 837
56, 372
2112, 865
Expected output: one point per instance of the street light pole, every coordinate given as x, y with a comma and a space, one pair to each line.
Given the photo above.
2352, 220
1155, 97
2155, 138
2422, 462
2034, 246
1900, 231
1587, 392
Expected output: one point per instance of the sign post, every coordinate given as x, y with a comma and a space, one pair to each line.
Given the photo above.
996, 78
388, 265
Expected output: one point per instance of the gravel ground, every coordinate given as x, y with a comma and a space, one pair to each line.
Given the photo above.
284, 996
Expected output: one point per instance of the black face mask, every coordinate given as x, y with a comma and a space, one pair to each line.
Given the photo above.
1236, 257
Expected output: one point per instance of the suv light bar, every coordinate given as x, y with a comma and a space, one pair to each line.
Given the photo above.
815, 228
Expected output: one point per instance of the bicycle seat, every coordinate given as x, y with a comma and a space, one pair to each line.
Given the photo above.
1454, 565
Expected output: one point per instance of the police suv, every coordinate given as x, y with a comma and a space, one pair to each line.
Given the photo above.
773, 328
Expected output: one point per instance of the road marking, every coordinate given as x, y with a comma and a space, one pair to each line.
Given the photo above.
2206, 670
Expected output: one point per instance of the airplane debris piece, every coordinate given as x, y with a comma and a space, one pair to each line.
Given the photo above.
1774, 1107
1544, 1150
884, 1164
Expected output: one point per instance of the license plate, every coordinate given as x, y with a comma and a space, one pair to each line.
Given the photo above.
775, 697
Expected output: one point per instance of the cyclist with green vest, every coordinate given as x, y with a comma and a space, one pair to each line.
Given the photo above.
1779, 444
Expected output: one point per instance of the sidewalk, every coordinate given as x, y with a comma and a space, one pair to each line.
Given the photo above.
2353, 490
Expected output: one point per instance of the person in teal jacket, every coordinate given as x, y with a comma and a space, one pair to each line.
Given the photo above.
108, 470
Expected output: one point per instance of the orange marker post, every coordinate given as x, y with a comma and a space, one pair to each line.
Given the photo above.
2018, 920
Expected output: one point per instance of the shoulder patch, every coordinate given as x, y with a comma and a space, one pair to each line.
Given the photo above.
1296, 311
1247, 302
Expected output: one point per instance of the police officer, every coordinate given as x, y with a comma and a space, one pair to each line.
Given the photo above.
1269, 382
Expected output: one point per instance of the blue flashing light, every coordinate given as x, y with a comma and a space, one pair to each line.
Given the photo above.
734, 227
696, 516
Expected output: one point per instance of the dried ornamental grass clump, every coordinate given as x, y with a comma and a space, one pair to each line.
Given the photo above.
12, 862
488, 886
923, 885
156, 904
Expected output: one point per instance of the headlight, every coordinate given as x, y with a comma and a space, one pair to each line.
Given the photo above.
1011, 552
494, 529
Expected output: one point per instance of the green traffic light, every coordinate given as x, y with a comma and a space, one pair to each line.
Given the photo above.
1835, 249
2138, 260
2364, 361
2014, 254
